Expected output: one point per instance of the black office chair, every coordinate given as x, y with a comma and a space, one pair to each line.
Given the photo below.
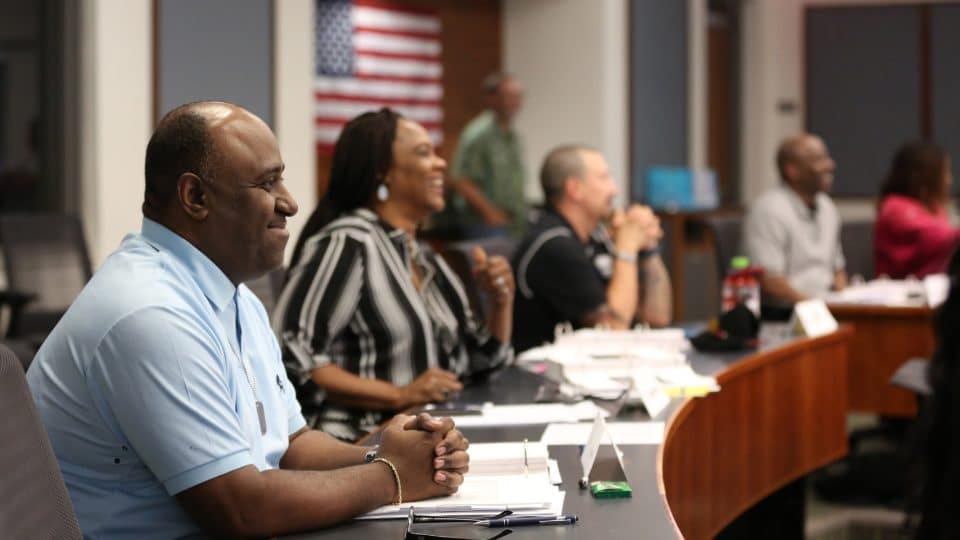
725, 231
46, 262
268, 288
23, 351
33, 498
459, 255
856, 240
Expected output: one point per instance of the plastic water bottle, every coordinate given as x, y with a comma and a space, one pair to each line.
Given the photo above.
746, 285
728, 294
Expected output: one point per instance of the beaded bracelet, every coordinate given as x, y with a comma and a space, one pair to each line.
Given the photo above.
396, 476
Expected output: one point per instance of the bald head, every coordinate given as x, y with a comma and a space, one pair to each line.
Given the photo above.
788, 152
182, 143
793, 150
214, 176
804, 163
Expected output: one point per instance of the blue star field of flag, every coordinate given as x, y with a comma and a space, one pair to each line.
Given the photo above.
334, 41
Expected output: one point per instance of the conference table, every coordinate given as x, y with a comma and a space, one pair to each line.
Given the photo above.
780, 414
884, 338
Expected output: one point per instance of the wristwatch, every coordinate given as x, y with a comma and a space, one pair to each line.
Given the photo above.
371, 454
647, 253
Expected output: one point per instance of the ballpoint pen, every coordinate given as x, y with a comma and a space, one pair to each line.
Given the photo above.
526, 464
528, 520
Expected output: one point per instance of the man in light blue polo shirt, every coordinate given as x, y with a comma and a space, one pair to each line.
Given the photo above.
162, 388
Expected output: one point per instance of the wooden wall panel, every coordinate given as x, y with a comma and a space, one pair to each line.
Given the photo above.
471, 37
885, 338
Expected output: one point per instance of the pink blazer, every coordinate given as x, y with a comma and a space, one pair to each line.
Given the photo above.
910, 239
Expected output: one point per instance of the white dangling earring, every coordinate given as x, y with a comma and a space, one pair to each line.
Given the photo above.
383, 193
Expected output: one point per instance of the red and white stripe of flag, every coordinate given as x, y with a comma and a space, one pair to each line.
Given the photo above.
396, 64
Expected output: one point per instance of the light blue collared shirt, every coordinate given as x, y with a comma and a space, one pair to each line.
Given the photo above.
143, 395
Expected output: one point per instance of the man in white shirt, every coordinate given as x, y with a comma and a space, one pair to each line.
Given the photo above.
793, 230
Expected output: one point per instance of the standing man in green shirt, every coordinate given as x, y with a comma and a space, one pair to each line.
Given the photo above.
487, 171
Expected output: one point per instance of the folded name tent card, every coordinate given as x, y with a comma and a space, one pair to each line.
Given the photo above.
604, 482
811, 318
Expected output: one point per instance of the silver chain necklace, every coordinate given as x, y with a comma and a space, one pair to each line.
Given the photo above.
252, 382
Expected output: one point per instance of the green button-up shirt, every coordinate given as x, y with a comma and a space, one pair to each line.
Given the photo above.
492, 158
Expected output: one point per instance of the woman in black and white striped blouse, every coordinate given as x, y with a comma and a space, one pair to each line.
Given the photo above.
370, 321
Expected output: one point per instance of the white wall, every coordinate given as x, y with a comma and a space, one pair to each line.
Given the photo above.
293, 105
571, 56
771, 44
115, 118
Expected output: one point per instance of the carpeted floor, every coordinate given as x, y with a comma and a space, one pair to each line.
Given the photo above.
853, 521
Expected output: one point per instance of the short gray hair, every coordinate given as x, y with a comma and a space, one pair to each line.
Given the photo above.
492, 82
561, 163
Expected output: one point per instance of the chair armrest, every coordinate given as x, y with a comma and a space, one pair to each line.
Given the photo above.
16, 300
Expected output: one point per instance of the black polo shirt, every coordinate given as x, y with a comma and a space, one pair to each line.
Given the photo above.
559, 279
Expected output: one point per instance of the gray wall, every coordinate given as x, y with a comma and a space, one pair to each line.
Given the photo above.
658, 87
863, 91
216, 49
945, 49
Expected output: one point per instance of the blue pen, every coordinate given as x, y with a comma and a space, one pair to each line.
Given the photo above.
528, 520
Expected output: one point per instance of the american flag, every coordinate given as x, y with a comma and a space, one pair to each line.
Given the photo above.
375, 53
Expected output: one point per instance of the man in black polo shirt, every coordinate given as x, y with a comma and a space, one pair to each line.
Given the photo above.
585, 263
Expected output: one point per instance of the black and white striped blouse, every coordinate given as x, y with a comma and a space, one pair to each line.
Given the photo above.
351, 301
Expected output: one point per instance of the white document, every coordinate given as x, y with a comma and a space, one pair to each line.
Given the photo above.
882, 292
615, 342
621, 349
537, 413
650, 392
595, 383
936, 287
554, 470
622, 433
506, 458
679, 381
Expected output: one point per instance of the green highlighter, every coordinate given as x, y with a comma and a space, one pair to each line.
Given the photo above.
607, 489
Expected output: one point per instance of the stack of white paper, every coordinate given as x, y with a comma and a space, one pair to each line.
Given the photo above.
622, 433
884, 292
615, 342
508, 458
609, 357
537, 413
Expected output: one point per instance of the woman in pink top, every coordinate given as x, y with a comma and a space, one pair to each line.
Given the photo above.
913, 235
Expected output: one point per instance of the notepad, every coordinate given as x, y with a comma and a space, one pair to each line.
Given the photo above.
496, 482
